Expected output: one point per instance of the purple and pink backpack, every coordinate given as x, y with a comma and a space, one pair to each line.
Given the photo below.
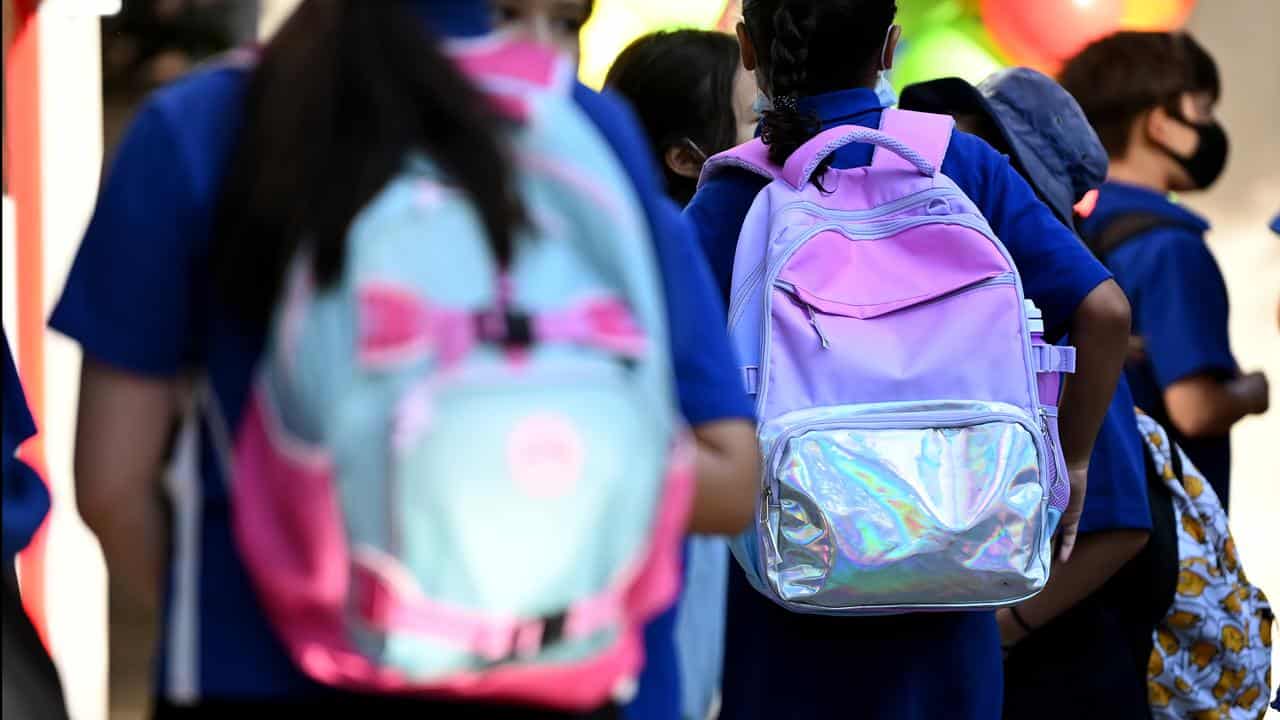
911, 456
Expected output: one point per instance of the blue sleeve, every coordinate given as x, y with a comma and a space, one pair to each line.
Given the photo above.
26, 498
1117, 497
127, 300
706, 372
1057, 270
1179, 303
717, 212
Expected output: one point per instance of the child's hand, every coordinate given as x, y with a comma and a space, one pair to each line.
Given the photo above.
1070, 524
1257, 391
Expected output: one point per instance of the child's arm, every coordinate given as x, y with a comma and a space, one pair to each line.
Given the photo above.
728, 465
122, 433
1100, 332
1204, 406
1097, 558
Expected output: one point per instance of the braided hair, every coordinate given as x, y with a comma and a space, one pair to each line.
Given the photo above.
809, 47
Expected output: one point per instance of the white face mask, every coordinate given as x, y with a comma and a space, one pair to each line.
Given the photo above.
762, 103
884, 89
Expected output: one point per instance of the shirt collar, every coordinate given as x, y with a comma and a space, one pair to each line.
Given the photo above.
1117, 197
836, 107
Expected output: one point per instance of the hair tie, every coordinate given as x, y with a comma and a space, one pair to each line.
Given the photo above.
786, 103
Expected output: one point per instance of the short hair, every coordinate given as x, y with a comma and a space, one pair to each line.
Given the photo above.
1120, 77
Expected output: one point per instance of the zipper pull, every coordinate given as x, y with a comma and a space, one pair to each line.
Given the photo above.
813, 320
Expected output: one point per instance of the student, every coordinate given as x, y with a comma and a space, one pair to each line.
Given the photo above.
1156, 121
694, 99
550, 22
692, 95
819, 62
148, 300
1080, 631
31, 686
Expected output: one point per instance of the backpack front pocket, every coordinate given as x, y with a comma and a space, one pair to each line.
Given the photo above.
904, 506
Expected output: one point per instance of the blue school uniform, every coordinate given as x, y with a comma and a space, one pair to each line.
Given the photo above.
26, 498
787, 665
139, 298
1180, 310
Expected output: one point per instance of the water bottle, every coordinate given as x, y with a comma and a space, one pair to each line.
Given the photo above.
1049, 383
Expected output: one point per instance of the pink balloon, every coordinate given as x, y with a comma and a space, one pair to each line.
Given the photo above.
1046, 33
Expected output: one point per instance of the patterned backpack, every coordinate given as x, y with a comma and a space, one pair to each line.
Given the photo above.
909, 461
1212, 655
461, 482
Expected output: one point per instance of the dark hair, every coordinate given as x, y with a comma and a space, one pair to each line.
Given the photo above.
809, 47
681, 86
1119, 78
339, 98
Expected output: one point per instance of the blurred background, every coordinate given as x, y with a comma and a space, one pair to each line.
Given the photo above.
75, 71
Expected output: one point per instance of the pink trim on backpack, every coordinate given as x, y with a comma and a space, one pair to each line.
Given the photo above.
513, 71
313, 634
287, 521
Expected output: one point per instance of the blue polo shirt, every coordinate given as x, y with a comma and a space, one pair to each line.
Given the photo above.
139, 298
1180, 310
26, 498
781, 664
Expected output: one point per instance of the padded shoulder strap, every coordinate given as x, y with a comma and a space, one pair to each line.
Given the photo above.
1120, 229
926, 133
751, 156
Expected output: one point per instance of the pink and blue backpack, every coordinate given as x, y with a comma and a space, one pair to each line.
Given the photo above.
910, 462
455, 480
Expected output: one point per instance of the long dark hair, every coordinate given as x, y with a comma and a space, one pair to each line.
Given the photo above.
809, 47
339, 98
681, 85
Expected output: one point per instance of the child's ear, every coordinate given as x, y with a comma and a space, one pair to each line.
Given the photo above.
683, 161
891, 47
747, 48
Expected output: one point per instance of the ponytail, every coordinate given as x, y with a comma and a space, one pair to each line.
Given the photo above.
809, 47
339, 99
785, 128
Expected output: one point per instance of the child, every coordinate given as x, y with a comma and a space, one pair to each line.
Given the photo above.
819, 63
1156, 121
693, 97
1075, 632
178, 271
550, 22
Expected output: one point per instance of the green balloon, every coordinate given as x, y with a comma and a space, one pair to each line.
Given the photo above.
959, 49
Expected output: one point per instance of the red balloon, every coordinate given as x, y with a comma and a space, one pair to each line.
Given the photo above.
1046, 33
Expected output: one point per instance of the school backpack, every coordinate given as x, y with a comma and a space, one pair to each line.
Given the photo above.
458, 480
909, 464
1212, 653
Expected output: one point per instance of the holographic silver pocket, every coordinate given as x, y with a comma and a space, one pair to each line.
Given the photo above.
902, 507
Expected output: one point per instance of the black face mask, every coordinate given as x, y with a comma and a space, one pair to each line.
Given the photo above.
1208, 161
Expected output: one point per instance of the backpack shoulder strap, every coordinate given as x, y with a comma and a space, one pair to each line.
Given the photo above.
751, 156
928, 134
1120, 229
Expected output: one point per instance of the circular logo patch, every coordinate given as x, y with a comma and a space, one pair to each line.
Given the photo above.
545, 455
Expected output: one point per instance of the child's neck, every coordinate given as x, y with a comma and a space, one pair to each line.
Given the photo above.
1141, 169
